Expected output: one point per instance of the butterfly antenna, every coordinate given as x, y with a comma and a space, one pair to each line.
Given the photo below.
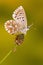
30, 25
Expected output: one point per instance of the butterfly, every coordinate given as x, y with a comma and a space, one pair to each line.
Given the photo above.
18, 24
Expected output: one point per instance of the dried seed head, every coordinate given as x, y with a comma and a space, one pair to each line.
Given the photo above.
19, 39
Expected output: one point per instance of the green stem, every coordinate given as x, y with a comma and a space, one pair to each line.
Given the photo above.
6, 56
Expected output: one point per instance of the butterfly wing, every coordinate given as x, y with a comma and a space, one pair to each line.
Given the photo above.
20, 17
10, 26
19, 24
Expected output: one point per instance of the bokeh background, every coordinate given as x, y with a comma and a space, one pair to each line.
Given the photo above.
31, 51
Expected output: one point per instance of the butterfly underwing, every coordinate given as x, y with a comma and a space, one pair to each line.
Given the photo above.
20, 17
19, 24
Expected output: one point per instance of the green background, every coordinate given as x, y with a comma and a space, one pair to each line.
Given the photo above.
31, 51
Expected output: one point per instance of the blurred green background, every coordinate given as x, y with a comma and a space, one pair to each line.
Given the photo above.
31, 51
